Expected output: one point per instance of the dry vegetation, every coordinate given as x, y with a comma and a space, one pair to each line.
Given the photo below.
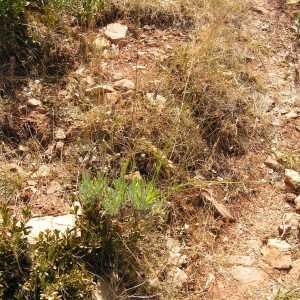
209, 115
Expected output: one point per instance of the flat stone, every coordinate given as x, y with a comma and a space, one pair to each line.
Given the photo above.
292, 115
292, 179
273, 164
124, 84
276, 258
281, 245
43, 224
247, 275
116, 31
219, 208
242, 260
34, 102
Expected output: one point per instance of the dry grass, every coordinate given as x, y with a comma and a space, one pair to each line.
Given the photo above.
160, 13
212, 75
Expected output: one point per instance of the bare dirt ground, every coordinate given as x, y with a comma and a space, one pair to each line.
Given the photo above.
239, 270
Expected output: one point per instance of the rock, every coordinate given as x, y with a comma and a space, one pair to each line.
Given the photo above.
124, 84
42, 224
297, 204
273, 164
133, 176
43, 171
156, 100
242, 260
53, 187
281, 245
267, 104
60, 134
116, 31
292, 179
117, 76
219, 208
291, 115
290, 197
276, 258
295, 271
247, 275
175, 256
292, 219
34, 102
179, 277
99, 89
100, 43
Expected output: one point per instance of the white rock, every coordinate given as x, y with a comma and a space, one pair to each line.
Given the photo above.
60, 134
115, 31
247, 275
42, 224
292, 179
291, 115
124, 84
34, 102
279, 244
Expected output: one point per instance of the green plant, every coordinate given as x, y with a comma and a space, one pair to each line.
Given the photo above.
85, 10
57, 272
292, 294
14, 261
12, 8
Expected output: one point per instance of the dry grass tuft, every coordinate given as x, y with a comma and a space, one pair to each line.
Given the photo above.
211, 74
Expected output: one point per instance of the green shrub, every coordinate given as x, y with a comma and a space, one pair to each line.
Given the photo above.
57, 271
61, 266
85, 10
14, 260
12, 8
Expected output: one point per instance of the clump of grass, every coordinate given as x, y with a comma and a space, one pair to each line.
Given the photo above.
154, 141
161, 13
212, 76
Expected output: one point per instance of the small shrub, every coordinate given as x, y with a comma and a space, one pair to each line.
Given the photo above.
57, 272
14, 261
